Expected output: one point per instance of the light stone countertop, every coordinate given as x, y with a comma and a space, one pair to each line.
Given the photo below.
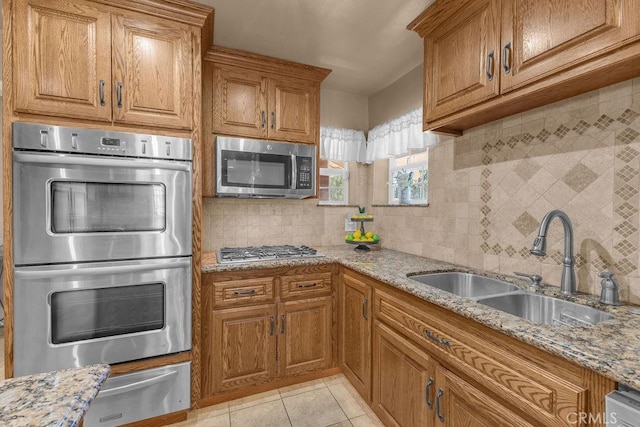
611, 348
58, 398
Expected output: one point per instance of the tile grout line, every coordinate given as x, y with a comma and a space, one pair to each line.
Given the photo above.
285, 409
339, 406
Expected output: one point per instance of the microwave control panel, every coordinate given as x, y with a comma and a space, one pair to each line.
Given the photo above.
305, 172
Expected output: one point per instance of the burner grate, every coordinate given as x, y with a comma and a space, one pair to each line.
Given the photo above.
263, 253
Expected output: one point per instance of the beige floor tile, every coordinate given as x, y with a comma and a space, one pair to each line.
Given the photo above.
210, 411
217, 421
368, 420
270, 414
317, 408
342, 424
349, 400
335, 379
256, 399
302, 388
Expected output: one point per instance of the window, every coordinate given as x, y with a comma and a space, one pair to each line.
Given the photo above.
409, 171
334, 182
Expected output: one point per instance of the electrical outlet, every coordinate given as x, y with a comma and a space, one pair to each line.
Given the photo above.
350, 225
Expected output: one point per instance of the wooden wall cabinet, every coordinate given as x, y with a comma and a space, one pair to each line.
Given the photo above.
261, 97
355, 319
263, 326
84, 60
510, 56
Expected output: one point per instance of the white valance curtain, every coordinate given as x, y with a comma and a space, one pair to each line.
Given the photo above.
398, 136
348, 145
394, 138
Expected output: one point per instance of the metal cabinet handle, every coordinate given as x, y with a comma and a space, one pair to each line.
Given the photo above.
249, 292
273, 325
307, 285
489, 66
435, 339
506, 50
119, 94
101, 92
273, 120
282, 324
364, 309
438, 397
427, 393
263, 114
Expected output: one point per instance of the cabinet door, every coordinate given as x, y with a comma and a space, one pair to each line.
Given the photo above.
242, 348
293, 113
62, 52
403, 381
544, 37
462, 59
239, 102
459, 404
305, 342
152, 72
356, 299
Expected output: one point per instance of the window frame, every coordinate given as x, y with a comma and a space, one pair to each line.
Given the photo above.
409, 167
331, 172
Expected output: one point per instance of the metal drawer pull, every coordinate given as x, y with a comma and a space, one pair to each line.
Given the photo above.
273, 325
505, 58
249, 292
282, 325
138, 384
307, 285
119, 94
273, 120
427, 393
101, 92
438, 397
364, 309
435, 339
263, 114
489, 66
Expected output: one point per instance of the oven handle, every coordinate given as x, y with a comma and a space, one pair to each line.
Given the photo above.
99, 161
95, 271
138, 384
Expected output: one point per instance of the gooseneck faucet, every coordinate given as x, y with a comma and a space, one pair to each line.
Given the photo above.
539, 248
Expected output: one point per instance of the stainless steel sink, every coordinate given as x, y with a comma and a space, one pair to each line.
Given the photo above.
466, 285
546, 310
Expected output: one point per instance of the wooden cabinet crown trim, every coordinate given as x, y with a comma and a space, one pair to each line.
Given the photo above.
268, 64
177, 10
433, 16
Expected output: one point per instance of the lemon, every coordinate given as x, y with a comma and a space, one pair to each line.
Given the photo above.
368, 234
357, 234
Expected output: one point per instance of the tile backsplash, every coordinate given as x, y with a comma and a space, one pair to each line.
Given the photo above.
490, 188
488, 191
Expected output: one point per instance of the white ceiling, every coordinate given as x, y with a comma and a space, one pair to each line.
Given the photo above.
364, 42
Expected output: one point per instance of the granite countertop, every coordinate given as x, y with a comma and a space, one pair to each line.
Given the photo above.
58, 398
611, 348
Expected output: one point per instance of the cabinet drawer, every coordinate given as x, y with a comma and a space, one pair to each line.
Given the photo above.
512, 378
243, 292
305, 285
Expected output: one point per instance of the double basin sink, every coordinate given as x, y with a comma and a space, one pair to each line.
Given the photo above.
511, 299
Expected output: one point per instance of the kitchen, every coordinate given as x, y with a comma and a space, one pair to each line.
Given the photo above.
488, 190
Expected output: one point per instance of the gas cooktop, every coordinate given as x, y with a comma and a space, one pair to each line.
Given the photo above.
265, 253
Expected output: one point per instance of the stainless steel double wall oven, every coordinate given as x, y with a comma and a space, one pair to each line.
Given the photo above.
102, 246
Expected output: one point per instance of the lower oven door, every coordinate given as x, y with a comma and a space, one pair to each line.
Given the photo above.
79, 314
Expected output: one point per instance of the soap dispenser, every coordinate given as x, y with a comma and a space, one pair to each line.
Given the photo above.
610, 293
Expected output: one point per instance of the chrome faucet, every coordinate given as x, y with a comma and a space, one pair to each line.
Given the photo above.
539, 248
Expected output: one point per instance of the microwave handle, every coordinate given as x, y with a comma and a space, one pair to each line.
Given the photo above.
294, 167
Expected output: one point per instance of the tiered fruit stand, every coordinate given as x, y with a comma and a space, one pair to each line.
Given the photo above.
361, 240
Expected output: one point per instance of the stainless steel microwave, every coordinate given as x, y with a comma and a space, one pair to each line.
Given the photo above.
264, 169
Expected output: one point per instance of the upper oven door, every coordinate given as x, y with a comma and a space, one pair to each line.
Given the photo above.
71, 208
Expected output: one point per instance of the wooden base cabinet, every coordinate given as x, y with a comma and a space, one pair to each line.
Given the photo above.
403, 380
355, 301
263, 325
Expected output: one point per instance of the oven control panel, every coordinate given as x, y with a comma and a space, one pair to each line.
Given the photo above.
306, 173
39, 137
